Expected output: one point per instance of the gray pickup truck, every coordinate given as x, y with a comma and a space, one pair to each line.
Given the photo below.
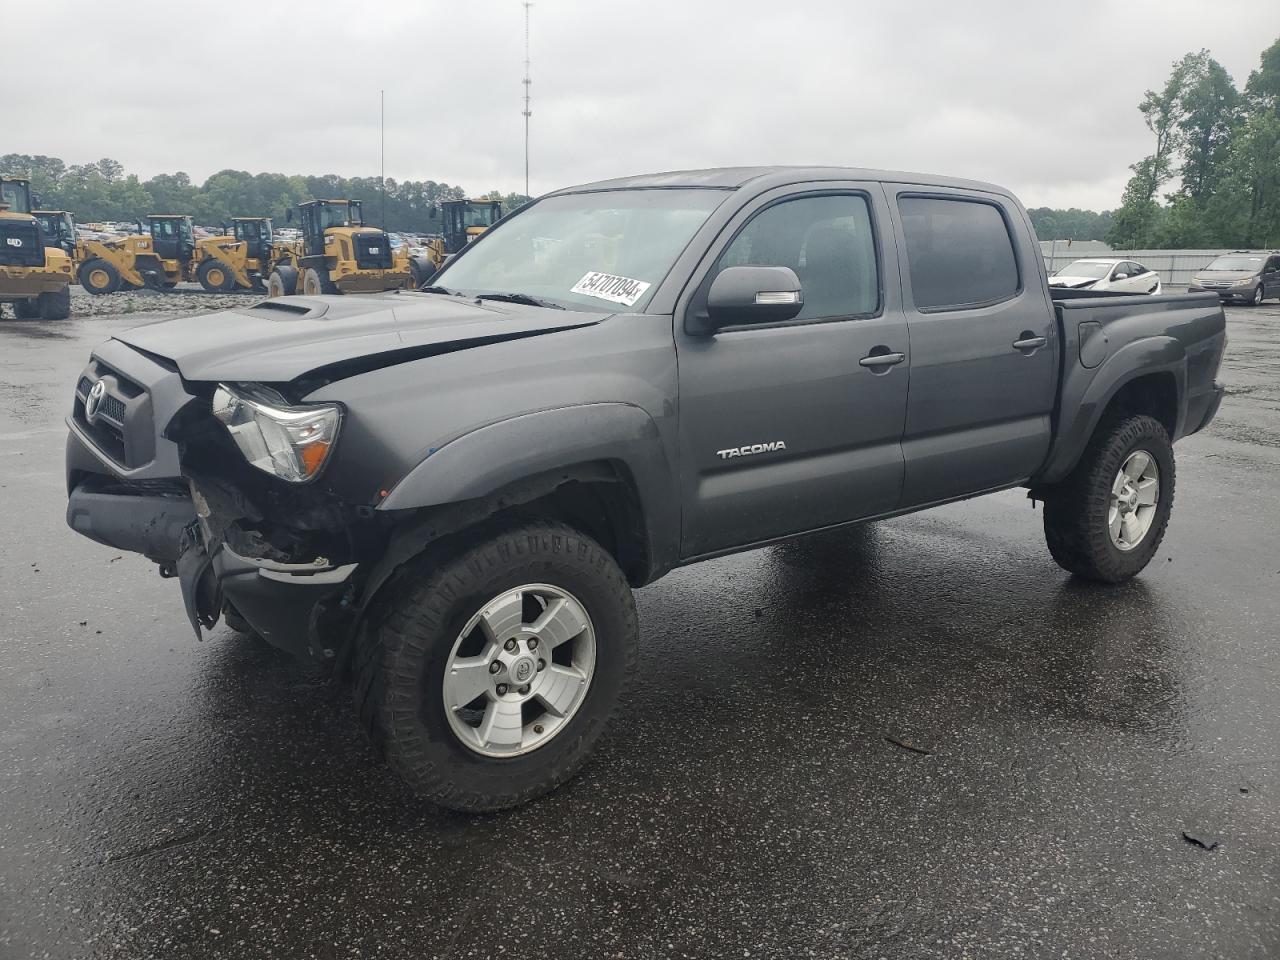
449, 494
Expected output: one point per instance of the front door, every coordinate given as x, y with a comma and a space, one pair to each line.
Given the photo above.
1271, 277
796, 426
984, 345
164, 238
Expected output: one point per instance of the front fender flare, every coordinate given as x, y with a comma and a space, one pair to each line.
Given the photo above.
495, 456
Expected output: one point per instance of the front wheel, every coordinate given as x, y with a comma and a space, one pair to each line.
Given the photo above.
283, 282
1259, 295
100, 277
489, 680
215, 277
1106, 520
316, 282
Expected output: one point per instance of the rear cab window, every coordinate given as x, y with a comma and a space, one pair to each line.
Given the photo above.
960, 253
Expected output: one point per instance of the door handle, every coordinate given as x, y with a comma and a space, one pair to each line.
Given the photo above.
1030, 343
881, 359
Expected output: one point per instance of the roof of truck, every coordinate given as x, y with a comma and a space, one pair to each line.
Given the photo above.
732, 178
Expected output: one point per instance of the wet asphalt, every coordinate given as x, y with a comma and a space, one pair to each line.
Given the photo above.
915, 739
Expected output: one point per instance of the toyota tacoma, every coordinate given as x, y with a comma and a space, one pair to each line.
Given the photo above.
449, 494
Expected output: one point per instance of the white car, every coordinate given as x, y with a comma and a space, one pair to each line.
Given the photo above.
1122, 276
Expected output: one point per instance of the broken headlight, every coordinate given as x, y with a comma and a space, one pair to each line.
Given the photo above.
287, 441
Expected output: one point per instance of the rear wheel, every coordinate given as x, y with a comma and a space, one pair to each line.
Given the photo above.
1106, 520
99, 277
55, 305
489, 679
215, 277
283, 281
316, 282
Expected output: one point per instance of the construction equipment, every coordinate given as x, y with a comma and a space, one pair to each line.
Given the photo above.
159, 257
58, 228
240, 261
34, 277
336, 254
461, 221
464, 220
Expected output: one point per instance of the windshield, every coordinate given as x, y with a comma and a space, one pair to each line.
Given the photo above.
478, 215
337, 215
586, 250
1085, 268
1236, 263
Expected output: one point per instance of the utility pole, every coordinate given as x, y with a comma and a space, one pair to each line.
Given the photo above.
382, 95
527, 112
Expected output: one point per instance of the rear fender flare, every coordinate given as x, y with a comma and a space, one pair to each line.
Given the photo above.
1083, 406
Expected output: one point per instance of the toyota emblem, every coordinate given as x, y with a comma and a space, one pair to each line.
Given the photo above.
94, 400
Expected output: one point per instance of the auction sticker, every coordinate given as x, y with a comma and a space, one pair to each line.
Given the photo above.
606, 286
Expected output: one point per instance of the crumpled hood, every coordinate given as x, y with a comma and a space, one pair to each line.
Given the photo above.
279, 340
1075, 283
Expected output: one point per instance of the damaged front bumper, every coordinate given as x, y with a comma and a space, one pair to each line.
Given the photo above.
286, 603
290, 605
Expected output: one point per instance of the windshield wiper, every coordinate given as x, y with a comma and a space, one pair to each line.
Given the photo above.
525, 298
433, 289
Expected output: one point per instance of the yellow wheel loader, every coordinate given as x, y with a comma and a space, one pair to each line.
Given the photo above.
34, 277
461, 221
337, 254
160, 257
242, 260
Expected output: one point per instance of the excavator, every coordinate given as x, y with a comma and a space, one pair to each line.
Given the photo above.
337, 254
34, 277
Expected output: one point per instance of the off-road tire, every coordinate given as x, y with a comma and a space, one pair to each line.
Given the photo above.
283, 282
1075, 512
208, 272
90, 272
54, 304
316, 282
400, 658
26, 309
421, 270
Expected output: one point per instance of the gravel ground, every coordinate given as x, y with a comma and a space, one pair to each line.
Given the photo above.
918, 739
182, 300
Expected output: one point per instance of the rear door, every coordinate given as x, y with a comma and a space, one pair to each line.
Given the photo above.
794, 426
984, 345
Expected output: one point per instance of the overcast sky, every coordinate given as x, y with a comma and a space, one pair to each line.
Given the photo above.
1039, 97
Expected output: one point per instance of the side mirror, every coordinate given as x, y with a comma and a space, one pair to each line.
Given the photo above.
750, 295
1120, 276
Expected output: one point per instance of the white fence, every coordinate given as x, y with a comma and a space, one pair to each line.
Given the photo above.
1176, 267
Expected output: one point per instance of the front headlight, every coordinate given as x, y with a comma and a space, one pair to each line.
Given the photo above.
289, 442
1244, 282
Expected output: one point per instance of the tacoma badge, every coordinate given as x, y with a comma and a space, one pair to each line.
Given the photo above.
751, 449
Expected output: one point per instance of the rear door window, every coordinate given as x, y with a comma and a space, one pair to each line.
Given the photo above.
959, 253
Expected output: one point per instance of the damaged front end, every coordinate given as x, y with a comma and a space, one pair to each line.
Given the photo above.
223, 486
268, 538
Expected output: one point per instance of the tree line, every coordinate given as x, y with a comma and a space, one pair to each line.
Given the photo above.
104, 191
1215, 160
